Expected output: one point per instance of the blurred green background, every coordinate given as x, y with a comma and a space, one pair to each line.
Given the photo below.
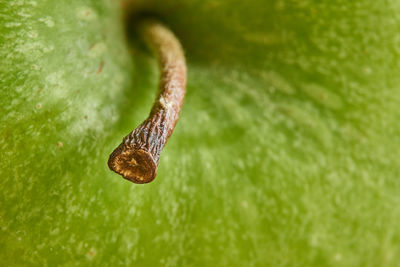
286, 153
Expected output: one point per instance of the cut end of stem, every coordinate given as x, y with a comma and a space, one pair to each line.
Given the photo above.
137, 157
135, 165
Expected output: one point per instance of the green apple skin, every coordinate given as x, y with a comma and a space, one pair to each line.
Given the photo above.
286, 152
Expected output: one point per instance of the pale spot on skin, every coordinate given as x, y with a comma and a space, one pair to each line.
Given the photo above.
97, 49
323, 96
48, 21
12, 24
91, 253
32, 34
32, 3
86, 13
338, 257
368, 70
24, 15
54, 78
308, 122
314, 240
60, 144
277, 81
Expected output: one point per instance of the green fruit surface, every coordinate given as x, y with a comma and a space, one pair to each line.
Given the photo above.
287, 152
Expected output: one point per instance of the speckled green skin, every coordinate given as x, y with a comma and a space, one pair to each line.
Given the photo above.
286, 153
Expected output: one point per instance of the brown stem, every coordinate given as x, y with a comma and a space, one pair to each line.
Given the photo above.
136, 158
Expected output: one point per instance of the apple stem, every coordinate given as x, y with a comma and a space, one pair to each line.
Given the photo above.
137, 157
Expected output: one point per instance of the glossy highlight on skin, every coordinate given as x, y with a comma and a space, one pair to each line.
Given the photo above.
136, 158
